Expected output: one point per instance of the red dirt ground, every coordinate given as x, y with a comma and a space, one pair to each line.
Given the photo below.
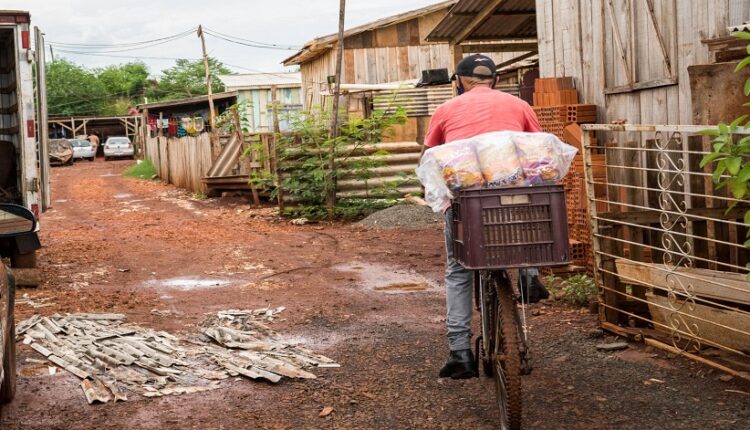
390, 346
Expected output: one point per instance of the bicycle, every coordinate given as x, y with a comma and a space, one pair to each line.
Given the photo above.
498, 229
502, 346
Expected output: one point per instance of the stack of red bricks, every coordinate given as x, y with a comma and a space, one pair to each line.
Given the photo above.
559, 112
555, 92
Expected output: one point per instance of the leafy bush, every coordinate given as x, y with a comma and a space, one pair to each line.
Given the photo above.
577, 290
310, 159
143, 170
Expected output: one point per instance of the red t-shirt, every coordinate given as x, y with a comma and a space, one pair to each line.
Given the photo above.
478, 111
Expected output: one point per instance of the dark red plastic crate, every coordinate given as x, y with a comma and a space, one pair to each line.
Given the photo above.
502, 228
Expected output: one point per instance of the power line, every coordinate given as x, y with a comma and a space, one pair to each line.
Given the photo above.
105, 96
129, 44
254, 42
171, 59
135, 48
124, 56
250, 44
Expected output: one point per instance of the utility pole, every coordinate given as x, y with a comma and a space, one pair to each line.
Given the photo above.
331, 197
208, 78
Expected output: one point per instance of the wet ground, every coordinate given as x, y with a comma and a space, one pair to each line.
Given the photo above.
370, 299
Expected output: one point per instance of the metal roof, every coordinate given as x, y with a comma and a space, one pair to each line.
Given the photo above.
318, 46
261, 80
511, 19
187, 101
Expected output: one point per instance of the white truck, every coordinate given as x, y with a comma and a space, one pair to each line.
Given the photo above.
24, 160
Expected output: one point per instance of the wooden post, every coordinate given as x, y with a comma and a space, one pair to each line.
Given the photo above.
158, 126
331, 194
145, 132
272, 148
457, 54
208, 78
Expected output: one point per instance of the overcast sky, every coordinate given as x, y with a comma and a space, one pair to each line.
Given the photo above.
285, 22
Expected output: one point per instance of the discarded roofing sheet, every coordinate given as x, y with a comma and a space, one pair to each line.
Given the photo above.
110, 356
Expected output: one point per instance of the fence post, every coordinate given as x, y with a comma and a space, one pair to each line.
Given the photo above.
272, 148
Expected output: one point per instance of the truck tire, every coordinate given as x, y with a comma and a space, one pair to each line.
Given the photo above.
8, 386
28, 274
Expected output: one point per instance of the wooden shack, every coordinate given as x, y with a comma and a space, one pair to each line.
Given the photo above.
392, 49
387, 50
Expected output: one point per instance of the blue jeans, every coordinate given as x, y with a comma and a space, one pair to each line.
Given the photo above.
459, 284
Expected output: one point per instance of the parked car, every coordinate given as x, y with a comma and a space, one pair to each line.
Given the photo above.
83, 149
60, 152
14, 220
118, 146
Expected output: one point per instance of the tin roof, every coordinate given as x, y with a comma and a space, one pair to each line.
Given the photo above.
509, 19
260, 80
187, 101
318, 46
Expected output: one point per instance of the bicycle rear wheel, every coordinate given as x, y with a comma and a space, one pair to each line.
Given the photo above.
506, 357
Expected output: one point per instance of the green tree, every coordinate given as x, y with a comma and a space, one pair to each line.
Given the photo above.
128, 80
187, 78
126, 83
73, 90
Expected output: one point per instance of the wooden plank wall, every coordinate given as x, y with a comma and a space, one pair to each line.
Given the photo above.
378, 66
388, 54
576, 35
182, 162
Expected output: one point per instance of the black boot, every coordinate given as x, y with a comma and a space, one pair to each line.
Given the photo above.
460, 365
534, 292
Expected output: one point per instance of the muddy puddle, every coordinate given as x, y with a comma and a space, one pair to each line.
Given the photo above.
189, 283
387, 279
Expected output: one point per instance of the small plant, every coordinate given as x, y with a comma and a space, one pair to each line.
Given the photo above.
199, 195
143, 170
577, 290
225, 121
310, 162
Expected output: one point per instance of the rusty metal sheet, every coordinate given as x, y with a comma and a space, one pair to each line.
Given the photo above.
95, 391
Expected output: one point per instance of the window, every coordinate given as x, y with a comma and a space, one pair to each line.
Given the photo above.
640, 44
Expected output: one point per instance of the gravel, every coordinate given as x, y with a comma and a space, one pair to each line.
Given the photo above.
403, 216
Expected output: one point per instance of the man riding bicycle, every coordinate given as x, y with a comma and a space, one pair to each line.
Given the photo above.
478, 109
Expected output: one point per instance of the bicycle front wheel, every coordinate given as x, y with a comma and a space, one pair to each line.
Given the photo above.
506, 358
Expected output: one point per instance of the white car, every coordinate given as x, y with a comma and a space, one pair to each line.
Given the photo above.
83, 149
118, 146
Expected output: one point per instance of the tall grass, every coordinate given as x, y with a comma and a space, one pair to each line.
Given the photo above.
143, 170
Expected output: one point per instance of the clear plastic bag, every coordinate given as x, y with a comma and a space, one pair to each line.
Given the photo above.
544, 158
498, 159
436, 192
507, 159
459, 164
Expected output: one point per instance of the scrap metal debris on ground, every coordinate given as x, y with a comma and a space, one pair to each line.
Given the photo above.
36, 303
110, 356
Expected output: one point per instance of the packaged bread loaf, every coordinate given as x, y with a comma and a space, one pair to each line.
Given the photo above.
459, 164
498, 159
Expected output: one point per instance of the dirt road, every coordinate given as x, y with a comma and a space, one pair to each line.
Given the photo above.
114, 244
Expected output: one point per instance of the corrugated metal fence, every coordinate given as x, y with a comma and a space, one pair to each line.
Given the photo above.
194, 164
